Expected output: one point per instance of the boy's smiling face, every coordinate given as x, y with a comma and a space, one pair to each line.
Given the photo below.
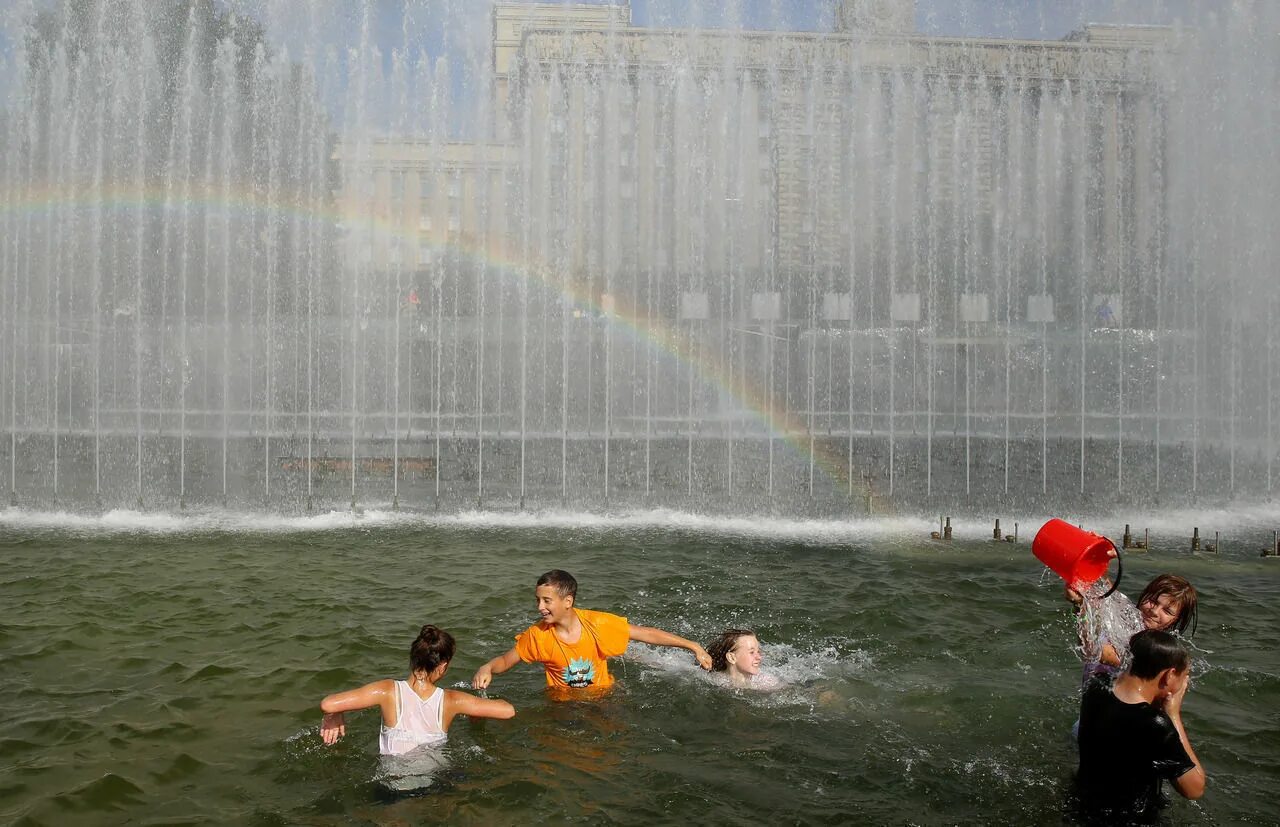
551, 606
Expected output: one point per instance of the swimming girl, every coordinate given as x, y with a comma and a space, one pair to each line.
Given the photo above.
415, 712
736, 653
1168, 604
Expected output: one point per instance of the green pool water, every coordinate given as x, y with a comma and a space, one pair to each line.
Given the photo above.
167, 669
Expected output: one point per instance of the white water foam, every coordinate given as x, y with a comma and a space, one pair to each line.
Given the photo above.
127, 521
793, 666
1177, 522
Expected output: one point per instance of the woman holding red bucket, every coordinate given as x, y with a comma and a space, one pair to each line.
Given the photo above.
1080, 558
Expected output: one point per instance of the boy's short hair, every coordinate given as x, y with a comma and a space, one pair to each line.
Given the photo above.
1154, 651
561, 581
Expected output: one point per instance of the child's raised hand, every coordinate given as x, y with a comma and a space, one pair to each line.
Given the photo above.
1172, 703
333, 727
482, 678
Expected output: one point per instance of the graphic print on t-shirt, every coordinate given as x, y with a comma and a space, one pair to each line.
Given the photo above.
580, 673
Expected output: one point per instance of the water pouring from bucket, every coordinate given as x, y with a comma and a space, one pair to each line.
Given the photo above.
1077, 556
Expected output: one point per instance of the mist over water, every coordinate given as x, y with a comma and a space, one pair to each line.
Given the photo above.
711, 257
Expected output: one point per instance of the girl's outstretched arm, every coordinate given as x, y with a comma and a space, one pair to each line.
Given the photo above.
379, 693
464, 703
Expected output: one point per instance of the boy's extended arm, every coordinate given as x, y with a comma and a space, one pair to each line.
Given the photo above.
658, 637
484, 675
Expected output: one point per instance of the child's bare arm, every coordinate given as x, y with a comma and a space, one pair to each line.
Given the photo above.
462, 703
1191, 783
1110, 656
484, 675
379, 693
658, 637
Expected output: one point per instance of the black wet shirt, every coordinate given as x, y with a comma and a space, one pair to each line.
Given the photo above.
1126, 751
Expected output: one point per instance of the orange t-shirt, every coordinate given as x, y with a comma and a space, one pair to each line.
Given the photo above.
583, 664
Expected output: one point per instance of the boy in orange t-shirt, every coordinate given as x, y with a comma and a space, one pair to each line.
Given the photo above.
573, 644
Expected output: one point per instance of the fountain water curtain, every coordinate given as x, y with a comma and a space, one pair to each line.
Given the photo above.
546, 254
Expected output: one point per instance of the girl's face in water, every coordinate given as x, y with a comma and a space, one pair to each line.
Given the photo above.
747, 656
1160, 612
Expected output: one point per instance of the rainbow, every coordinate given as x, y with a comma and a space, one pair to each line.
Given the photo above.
577, 290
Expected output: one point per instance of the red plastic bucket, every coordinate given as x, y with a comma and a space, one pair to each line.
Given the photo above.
1075, 555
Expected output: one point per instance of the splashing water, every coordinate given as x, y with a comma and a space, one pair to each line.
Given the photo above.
1105, 620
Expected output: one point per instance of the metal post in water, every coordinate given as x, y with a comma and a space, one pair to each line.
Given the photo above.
946, 530
1128, 538
1195, 539
996, 533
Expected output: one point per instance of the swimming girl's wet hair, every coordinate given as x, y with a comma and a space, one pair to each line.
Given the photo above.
561, 581
720, 648
1181, 592
1154, 651
433, 647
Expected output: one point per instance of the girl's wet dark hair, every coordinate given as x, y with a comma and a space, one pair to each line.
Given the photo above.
433, 647
1181, 592
720, 648
1154, 651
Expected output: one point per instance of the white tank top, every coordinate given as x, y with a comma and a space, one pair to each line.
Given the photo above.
418, 722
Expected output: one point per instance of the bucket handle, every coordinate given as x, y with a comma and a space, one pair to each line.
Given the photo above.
1119, 573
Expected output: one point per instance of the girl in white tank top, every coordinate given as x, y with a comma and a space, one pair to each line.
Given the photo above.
418, 722
415, 712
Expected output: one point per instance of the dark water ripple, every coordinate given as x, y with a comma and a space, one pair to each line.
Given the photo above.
174, 679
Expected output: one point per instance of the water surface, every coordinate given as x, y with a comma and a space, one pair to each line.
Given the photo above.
167, 668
